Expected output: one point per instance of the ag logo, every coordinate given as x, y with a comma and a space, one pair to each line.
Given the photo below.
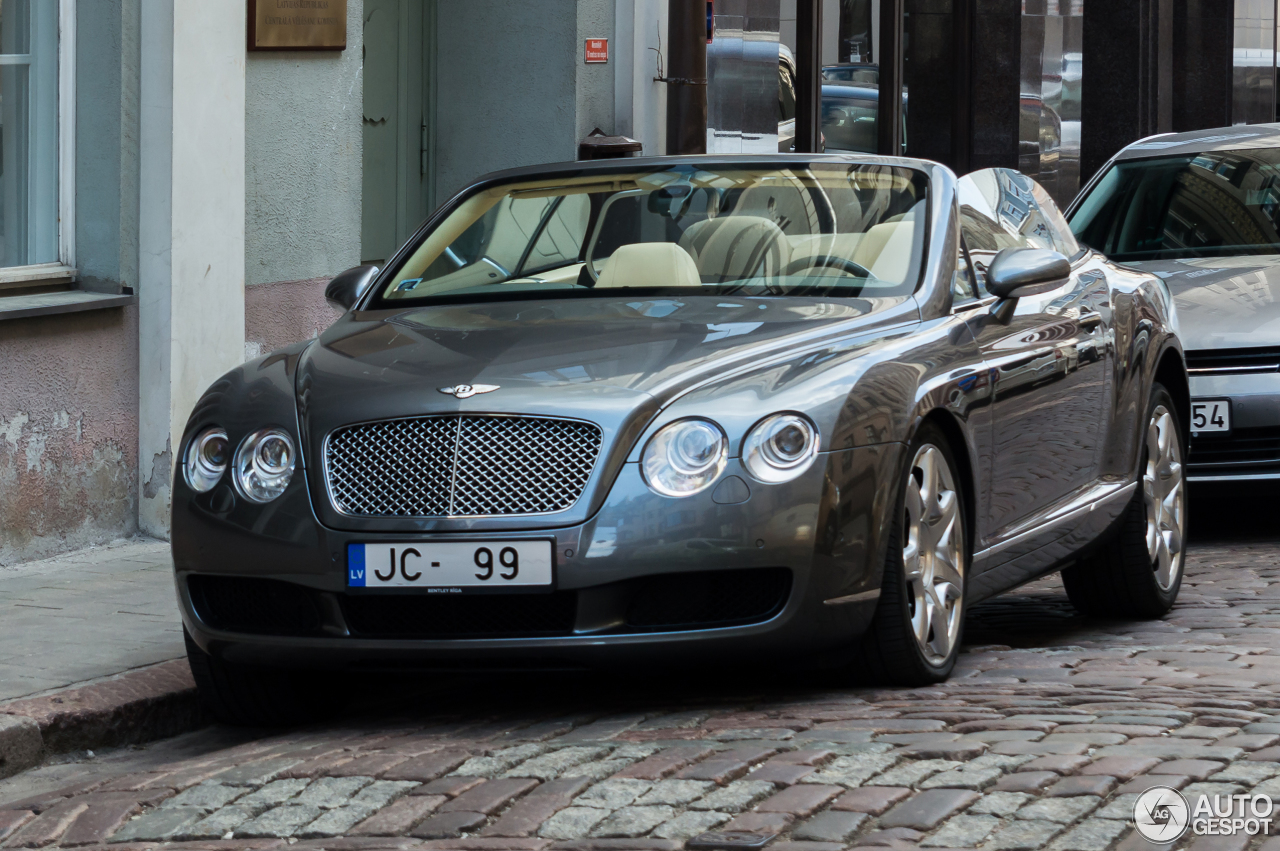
1161, 814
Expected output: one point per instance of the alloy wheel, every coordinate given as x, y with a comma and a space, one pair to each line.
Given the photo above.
1165, 497
933, 555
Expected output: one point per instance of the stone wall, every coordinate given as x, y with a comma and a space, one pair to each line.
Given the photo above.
68, 432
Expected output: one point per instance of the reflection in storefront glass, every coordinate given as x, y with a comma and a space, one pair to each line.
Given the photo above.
1253, 62
1049, 95
743, 72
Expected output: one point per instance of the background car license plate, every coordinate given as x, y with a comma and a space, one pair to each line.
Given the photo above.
470, 564
1211, 415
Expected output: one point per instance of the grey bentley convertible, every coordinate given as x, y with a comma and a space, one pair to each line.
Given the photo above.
802, 408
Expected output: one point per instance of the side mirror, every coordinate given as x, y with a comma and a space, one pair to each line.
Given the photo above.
1019, 272
347, 287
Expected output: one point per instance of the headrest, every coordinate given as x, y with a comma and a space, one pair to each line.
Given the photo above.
649, 264
731, 248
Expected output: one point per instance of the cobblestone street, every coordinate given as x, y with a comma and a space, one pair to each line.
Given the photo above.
1050, 727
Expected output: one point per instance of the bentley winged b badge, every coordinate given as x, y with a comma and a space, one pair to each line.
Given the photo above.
462, 391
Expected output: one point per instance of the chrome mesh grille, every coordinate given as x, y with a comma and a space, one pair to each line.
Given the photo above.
460, 466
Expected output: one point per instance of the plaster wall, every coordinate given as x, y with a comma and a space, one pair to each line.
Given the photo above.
276, 315
192, 218
595, 84
107, 144
68, 432
505, 81
303, 146
640, 103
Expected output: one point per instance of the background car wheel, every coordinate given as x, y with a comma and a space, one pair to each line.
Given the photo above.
253, 697
1138, 571
915, 634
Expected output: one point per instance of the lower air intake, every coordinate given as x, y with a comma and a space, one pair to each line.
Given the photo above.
462, 616
709, 598
247, 604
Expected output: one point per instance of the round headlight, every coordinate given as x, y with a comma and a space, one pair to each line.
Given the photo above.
206, 460
264, 465
684, 457
780, 447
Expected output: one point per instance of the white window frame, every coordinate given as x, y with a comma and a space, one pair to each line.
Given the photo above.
64, 269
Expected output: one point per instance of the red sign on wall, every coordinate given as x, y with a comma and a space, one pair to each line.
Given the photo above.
597, 50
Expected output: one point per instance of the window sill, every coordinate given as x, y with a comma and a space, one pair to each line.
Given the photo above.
67, 301
19, 277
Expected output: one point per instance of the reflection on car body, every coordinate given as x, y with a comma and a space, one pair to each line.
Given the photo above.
1202, 211
781, 407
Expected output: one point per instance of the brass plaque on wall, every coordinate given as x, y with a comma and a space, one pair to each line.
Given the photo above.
297, 24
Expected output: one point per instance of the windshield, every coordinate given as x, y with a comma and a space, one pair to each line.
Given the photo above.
1201, 205
820, 229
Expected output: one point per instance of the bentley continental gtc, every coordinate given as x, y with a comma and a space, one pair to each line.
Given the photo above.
797, 408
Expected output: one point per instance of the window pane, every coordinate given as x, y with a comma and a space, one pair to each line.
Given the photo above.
28, 132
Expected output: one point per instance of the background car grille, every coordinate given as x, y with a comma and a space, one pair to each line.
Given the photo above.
1246, 451
1233, 361
460, 466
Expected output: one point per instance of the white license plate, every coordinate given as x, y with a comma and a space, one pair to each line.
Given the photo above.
1211, 415
450, 566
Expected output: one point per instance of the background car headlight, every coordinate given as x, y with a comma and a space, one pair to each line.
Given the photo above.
207, 458
264, 465
779, 448
684, 457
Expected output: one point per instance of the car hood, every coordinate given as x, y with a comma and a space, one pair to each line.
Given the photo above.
1223, 302
615, 362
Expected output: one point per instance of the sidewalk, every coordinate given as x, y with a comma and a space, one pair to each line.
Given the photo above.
86, 615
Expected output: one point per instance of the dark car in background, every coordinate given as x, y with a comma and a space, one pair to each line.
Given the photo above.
1202, 211
850, 116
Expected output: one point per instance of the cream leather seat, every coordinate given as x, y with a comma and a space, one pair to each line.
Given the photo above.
734, 248
649, 264
886, 250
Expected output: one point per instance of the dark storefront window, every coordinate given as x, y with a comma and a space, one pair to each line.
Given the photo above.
857, 44
930, 79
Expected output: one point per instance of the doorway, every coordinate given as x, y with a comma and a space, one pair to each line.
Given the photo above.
398, 71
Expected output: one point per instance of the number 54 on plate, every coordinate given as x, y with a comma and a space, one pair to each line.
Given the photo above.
454, 564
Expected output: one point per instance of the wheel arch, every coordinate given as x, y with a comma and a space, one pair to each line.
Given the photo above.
1171, 372
946, 422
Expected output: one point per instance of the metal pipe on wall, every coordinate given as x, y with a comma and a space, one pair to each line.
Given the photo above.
686, 77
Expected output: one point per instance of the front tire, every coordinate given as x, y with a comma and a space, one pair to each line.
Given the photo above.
252, 697
915, 633
1138, 571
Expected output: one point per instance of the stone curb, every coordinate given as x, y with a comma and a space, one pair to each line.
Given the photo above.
137, 706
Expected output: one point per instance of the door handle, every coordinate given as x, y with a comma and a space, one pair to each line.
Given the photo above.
1090, 321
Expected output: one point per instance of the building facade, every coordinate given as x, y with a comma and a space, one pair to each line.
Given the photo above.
172, 203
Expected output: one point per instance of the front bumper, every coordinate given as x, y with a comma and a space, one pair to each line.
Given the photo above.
1251, 450
823, 537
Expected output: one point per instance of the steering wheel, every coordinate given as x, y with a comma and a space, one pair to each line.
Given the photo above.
830, 261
